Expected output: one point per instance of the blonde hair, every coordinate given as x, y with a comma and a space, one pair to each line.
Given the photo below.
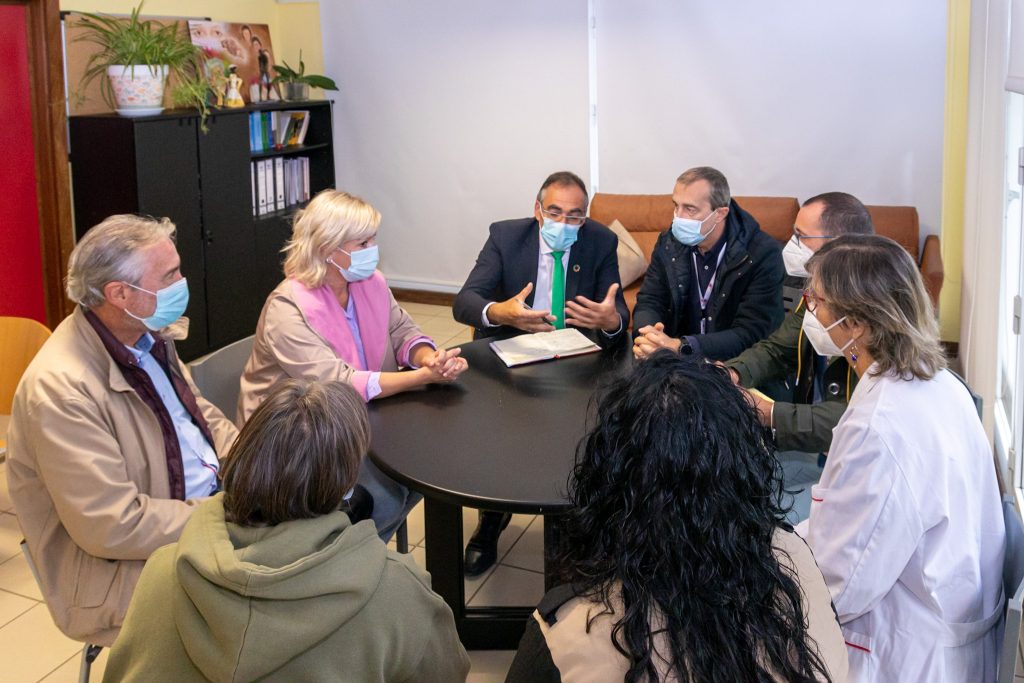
327, 222
873, 281
109, 252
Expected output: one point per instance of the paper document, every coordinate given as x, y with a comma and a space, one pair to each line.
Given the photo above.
530, 348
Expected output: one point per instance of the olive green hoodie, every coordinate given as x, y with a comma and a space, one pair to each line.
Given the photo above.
307, 600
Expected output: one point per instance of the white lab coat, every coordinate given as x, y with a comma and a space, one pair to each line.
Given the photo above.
906, 525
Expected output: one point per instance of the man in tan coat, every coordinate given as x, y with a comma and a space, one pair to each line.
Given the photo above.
110, 443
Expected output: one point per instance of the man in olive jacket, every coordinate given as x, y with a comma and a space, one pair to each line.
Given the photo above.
714, 286
822, 386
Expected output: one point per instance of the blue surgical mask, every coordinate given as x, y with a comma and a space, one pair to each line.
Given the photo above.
363, 263
559, 236
171, 302
688, 230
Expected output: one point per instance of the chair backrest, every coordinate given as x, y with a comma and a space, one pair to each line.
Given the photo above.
648, 215
20, 340
1013, 586
979, 403
218, 375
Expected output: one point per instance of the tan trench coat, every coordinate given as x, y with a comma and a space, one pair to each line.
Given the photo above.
88, 476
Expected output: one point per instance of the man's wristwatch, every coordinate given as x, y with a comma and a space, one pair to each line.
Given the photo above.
684, 347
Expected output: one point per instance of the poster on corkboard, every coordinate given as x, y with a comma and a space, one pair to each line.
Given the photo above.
246, 46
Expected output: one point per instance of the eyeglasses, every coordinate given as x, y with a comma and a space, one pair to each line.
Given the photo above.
567, 218
799, 237
812, 300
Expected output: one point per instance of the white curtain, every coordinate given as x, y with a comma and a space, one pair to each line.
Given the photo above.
450, 115
452, 112
1015, 66
785, 98
983, 200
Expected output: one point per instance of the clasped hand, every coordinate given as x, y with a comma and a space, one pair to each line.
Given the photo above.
652, 338
445, 365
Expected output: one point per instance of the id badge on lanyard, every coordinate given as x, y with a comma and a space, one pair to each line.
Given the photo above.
705, 297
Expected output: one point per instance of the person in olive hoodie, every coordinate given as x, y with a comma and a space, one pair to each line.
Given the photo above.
271, 581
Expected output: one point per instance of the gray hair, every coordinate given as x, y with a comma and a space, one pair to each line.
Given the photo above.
719, 195
564, 179
109, 252
873, 281
297, 454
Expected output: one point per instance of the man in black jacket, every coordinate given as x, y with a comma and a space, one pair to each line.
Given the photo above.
714, 286
556, 269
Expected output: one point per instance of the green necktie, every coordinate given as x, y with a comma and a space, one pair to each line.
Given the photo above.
558, 290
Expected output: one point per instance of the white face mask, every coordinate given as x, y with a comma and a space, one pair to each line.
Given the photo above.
819, 337
795, 256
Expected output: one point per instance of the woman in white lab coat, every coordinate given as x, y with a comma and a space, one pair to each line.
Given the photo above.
906, 522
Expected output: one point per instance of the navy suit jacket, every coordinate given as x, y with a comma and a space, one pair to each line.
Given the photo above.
508, 262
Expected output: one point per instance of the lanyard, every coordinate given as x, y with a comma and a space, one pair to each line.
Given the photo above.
705, 298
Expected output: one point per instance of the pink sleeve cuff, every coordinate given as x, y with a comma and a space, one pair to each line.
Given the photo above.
360, 381
403, 353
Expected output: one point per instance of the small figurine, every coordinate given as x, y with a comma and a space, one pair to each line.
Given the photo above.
233, 97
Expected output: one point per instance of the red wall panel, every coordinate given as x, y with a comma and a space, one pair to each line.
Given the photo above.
21, 265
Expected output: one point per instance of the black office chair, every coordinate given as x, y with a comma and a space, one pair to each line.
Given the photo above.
1013, 586
978, 403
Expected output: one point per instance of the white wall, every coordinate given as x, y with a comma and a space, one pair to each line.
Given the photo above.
451, 112
450, 115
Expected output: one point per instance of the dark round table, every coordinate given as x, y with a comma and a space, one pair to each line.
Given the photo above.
499, 439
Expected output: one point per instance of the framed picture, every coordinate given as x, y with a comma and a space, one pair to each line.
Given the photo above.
245, 46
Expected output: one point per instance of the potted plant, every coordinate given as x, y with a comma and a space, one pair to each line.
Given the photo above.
297, 83
136, 57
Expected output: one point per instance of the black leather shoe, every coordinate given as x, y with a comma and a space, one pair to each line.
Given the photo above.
482, 549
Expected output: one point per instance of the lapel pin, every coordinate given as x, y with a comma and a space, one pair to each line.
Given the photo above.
576, 268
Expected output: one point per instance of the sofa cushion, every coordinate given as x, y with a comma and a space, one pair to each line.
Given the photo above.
899, 223
648, 215
632, 262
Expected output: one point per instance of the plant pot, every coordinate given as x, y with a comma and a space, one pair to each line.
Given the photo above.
138, 89
296, 92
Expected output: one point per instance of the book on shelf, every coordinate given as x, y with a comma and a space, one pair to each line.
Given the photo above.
276, 129
279, 183
532, 348
261, 185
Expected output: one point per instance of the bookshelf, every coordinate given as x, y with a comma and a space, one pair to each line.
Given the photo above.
164, 165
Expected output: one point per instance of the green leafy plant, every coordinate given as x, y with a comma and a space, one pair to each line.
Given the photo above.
193, 91
286, 74
136, 42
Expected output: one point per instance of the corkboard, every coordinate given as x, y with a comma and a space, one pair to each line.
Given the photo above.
76, 56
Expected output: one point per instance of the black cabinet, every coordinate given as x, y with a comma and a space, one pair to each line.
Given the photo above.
166, 166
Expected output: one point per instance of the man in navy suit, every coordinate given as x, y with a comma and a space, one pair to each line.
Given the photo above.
556, 269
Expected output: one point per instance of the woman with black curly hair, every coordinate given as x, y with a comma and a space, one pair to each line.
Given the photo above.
677, 560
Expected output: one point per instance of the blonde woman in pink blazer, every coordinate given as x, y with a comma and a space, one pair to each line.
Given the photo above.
334, 318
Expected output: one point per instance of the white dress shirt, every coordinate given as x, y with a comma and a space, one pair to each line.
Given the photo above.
198, 458
542, 285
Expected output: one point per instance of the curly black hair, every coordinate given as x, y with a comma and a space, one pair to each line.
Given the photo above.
676, 493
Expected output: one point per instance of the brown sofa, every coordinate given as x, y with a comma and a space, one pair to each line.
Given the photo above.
646, 216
